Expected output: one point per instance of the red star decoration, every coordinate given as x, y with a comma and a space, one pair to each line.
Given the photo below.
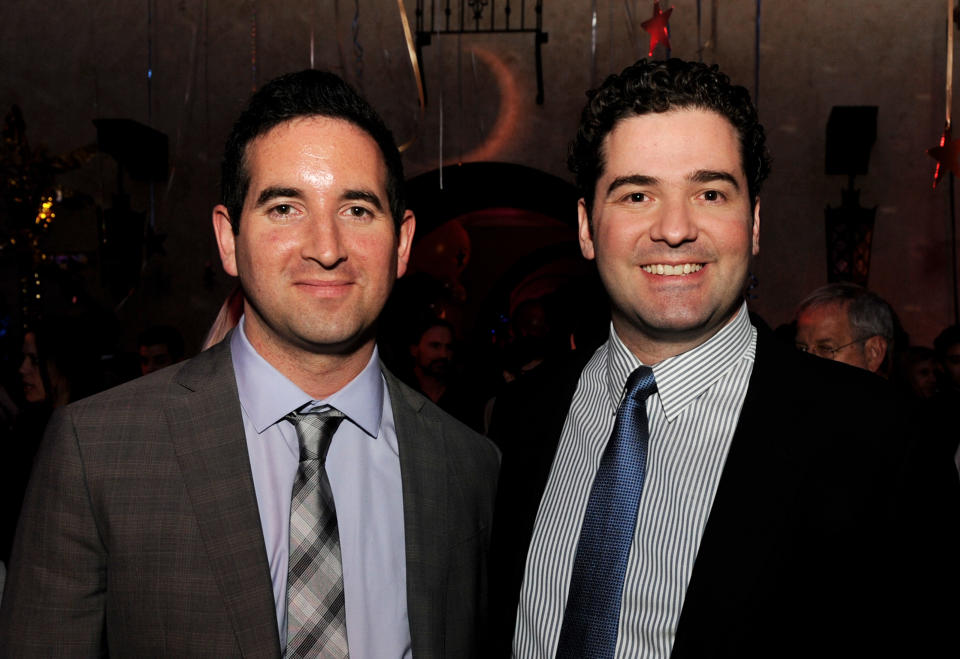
947, 155
658, 27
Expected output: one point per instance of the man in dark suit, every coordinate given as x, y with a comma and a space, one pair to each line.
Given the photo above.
694, 489
281, 493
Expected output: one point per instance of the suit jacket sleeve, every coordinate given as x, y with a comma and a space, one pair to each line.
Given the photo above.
56, 587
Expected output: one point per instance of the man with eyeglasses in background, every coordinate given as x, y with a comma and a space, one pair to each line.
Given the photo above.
847, 323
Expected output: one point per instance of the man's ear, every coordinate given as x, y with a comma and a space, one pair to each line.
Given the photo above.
226, 240
584, 230
756, 227
405, 239
875, 350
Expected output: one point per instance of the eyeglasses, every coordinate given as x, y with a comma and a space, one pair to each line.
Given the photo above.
825, 352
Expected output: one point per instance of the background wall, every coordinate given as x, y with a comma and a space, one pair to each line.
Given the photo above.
66, 64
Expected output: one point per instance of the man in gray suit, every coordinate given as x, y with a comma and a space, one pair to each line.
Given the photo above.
159, 519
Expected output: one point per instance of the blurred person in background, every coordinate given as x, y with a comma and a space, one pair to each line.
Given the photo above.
849, 324
159, 346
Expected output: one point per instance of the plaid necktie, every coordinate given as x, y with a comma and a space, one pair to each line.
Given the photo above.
316, 613
592, 615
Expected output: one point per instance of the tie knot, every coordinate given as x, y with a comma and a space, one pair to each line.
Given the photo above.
641, 384
314, 431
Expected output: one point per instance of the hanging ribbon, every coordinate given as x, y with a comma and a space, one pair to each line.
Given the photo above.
699, 35
313, 20
949, 86
593, 45
947, 153
415, 65
631, 32
336, 22
357, 48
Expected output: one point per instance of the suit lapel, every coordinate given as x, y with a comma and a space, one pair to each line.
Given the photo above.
207, 430
423, 474
760, 480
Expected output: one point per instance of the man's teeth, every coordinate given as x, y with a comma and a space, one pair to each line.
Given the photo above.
661, 269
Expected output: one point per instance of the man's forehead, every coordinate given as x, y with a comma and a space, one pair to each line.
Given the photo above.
635, 132
830, 317
338, 126
264, 170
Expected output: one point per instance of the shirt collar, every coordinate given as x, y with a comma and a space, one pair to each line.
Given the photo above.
681, 379
267, 395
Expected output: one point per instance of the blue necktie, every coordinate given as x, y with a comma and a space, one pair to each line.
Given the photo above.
596, 587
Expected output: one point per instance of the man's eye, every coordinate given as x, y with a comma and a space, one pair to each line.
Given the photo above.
712, 195
638, 197
359, 211
283, 209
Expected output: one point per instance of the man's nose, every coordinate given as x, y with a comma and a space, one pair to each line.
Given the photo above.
325, 242
675, 225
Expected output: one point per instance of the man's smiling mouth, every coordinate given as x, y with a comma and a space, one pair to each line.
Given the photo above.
672, 270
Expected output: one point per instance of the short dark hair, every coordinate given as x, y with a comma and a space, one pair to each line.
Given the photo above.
427, 324
649, 86
309, 93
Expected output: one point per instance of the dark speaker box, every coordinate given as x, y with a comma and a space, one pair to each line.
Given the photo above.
851, 132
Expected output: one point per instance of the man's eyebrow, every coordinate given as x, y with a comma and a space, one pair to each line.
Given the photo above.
275, 191
632, 179
363, 195
710, 175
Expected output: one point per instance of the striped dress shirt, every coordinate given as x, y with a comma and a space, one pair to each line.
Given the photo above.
692, 418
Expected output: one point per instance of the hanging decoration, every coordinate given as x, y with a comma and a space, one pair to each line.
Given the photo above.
340, 49
947, 152
947, 155
593, 44
415, 65
357, 48
658, 27
631, 32
699, 33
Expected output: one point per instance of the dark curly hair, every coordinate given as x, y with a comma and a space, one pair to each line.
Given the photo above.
309, 93
649, 86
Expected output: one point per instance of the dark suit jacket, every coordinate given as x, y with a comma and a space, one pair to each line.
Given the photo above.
805, 552
140, 533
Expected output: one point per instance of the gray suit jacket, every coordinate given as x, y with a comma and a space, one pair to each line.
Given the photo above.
140, 533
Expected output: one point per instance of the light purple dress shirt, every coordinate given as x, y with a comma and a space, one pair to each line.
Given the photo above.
363, 465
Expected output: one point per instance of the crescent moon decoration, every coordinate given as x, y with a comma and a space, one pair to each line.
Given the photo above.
508, 118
